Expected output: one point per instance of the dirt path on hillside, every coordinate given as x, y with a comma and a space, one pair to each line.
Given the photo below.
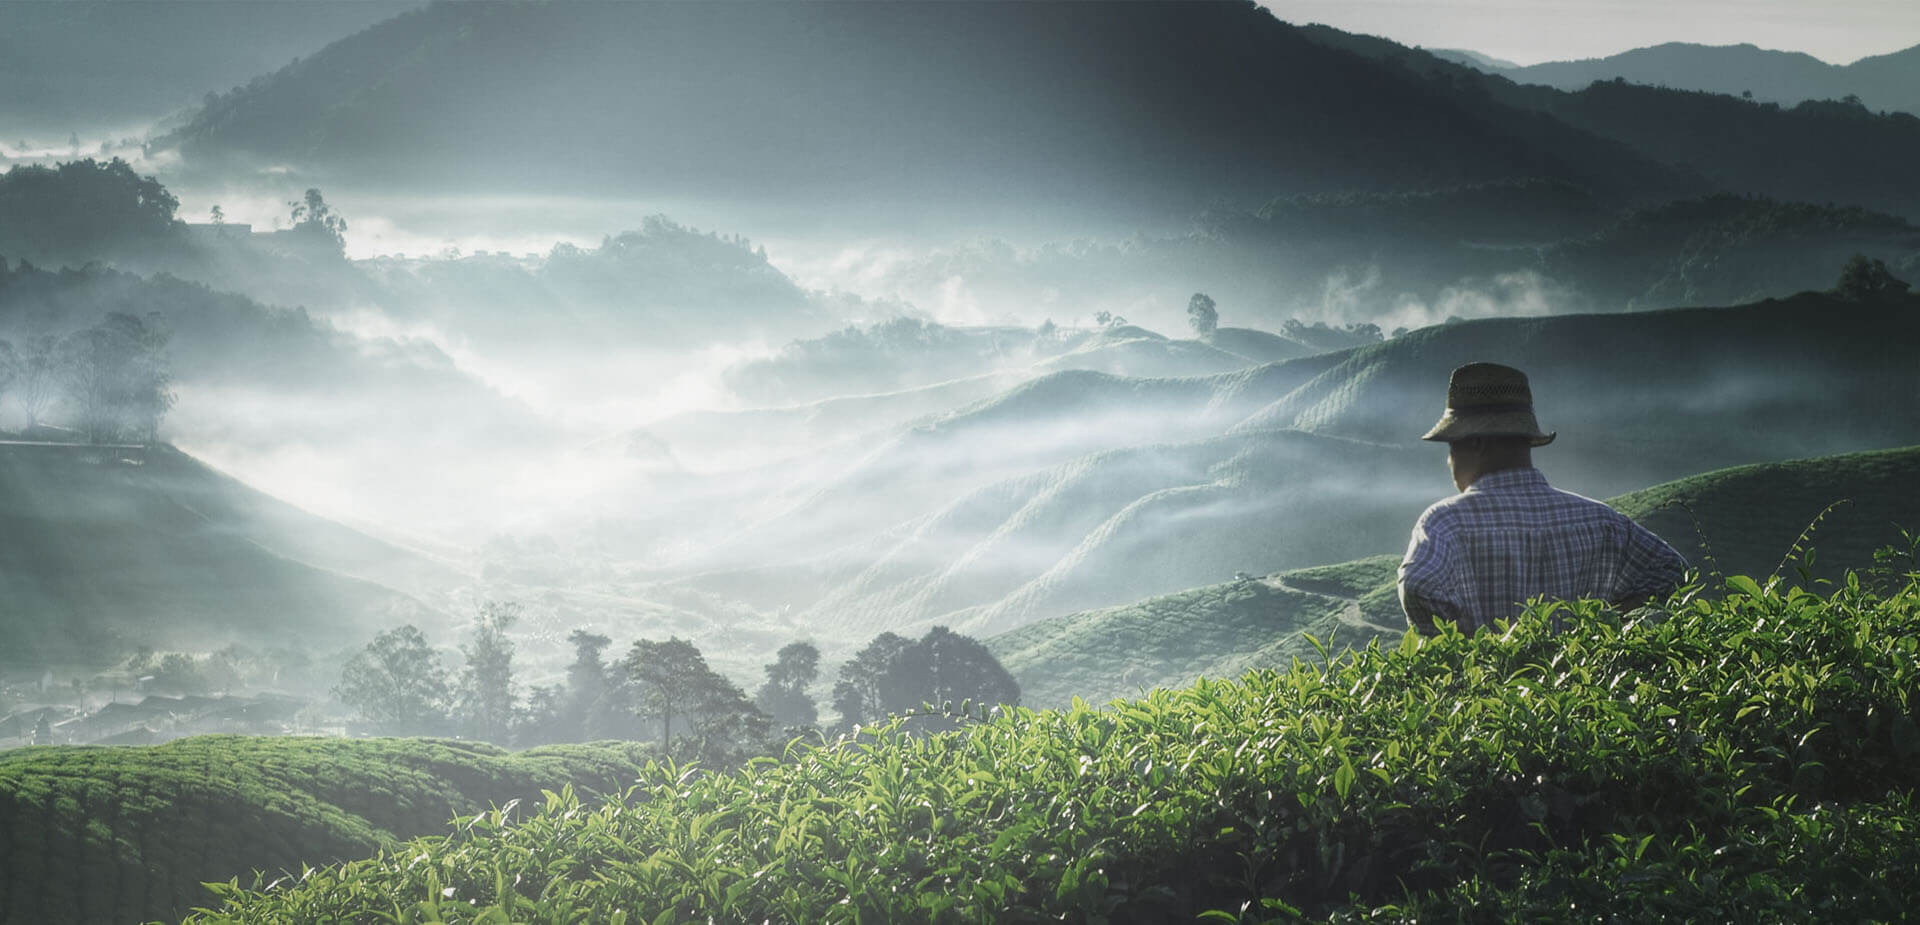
1350, 614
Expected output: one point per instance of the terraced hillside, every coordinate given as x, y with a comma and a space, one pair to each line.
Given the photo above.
1746, 520
128, 834
964, 519
1743, 520
103, 549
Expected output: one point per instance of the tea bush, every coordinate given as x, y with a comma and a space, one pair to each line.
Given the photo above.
1746, 758
122, 834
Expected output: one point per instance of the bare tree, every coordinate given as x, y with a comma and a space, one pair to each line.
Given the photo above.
9, 366
115, 375
91, 366
36, 382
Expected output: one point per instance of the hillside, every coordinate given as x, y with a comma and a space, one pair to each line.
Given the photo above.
1099, 111
1170, 641
1080, 491
128, 834
1746, 520
1742, 520
1658, 766
106, 549
1651, 396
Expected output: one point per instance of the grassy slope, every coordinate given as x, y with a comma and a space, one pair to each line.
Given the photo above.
1741, 760
1749, 517
102, 549
1165, 641
129, 833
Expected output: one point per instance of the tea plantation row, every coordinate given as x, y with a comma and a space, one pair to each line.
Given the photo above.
129, 834
1741, 759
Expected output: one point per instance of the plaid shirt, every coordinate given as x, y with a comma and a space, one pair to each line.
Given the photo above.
1478, 556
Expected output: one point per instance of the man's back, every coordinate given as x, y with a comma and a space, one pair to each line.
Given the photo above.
1478, 556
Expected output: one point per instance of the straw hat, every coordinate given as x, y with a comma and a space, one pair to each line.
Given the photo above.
1488, 400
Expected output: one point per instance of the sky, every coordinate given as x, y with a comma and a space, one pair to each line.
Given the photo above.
1532, 31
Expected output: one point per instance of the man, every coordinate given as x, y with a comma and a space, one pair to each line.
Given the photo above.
1508, 536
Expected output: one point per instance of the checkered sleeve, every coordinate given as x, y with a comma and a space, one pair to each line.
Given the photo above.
1649, 566
1427, 577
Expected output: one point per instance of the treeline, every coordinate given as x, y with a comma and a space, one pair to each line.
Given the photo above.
112, 379
661, 691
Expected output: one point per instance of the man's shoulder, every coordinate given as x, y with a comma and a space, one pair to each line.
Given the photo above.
1527, 497
1581, 504
1441, 512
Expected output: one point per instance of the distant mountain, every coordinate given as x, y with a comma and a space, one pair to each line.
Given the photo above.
106, 549
1890, 81
1082, 490
1473, 58
1107, 110
1739, 521
1817, 151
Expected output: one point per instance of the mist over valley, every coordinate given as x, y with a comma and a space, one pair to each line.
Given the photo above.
712, 377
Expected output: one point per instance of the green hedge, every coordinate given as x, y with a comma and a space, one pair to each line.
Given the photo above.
123, 834
1743, 759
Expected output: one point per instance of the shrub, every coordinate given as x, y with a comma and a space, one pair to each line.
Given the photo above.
1739, 759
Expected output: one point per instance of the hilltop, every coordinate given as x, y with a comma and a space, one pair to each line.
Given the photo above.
108, 548
129, 834
1743, 520
1108, 112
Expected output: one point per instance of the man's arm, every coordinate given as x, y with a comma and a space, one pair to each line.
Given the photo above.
1426, 574
1649, 568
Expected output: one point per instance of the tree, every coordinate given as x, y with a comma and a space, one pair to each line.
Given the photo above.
147, 382
485, 698
178, 674
92, 365
1202, 314
311, 214
9, 366
1866, 278
43, 730
545, 720
871, 684
588, 688
396, 683
667, 673
896, 675
784, 695
115, 374
676, 687
36, 379
958, 668
218, 215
